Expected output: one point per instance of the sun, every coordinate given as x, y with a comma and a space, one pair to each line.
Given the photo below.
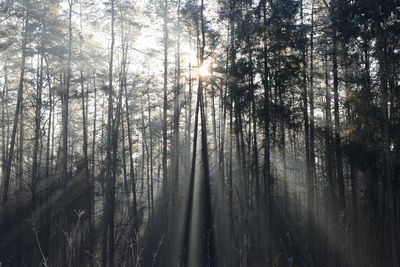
204, 70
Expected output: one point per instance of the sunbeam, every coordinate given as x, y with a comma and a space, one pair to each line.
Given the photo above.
199, 133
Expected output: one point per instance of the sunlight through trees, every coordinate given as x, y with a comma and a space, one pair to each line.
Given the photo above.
200, 133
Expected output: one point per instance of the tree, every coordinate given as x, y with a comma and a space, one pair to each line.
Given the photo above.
7, 174
237, 133
108, 222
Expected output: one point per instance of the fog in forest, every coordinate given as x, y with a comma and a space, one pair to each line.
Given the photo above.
200, 133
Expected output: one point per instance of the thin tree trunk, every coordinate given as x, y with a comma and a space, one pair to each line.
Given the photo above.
108, 222
93, 175
7, 173
208, 213
64, 152
267, 160
189, 120
38, 110
338, 145
312, 190
387, 161
165, 108
150, 153
48, 166
4, 129
130, 150
177, 109
328, 146
188, 217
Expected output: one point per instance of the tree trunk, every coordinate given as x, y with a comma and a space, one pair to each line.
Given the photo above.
328, 146
386, 142
38, 110
4, 115
165, 109
131, 164
48, 166
267, 160
7, 173
108, 221
338, 145
177, 109
150, 153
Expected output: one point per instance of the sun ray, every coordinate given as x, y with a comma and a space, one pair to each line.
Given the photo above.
204, 70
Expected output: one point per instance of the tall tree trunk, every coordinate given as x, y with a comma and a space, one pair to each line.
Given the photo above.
108, 221
87, 177
312, 189
48, 166
19, 186
150, 152
309, 181
267, 160
213, 117
208, 213
7, 173
146, 160
177, 109
328, 146
114, 162
38, 110
93, 172
64, 152
165, 108
386, 142
4, 129
336, 112
188, 217
131, 164
7, 214
189, 116
312, 106
85, 242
